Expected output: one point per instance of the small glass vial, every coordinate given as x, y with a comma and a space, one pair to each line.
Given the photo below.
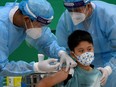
40, 57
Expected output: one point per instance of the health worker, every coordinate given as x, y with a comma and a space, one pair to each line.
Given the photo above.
28, 20
99, 19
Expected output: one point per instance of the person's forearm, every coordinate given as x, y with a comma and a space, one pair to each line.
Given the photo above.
53, 80
46, 82
16, 68
112, 63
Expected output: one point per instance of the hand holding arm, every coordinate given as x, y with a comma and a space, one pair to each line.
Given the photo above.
64, 57
106, 72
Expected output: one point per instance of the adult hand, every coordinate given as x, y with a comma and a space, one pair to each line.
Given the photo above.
106, 72
65, 58
45, 66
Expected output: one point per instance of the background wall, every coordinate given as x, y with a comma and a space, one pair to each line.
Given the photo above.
110, 1
26, 53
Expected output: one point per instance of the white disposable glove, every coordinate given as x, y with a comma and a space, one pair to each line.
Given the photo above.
106, 72
45, 66
65, 58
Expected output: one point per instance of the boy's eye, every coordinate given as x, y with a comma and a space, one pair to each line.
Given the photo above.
90, 49
81, 51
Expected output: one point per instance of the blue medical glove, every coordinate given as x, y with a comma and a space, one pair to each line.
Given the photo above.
106, 72
45, 66
65, 58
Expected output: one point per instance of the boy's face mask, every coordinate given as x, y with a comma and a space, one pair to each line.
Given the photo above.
85, 58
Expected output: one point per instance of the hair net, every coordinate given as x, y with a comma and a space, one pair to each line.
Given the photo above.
75, 3
37, 9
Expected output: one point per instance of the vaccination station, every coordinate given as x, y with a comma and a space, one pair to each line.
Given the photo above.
57, 43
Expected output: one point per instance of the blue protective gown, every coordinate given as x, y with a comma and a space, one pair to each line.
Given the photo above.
11, 38
102, 27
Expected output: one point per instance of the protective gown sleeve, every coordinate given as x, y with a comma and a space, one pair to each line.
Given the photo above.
10, 68
61, 31
111, 35
46, 44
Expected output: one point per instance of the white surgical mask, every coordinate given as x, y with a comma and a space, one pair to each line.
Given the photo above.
34, 32
77, 17
86, 58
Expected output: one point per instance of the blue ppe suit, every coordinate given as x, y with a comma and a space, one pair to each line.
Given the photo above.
102, 27
83, 78
11, 38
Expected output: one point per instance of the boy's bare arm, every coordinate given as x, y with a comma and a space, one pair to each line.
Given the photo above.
53, 79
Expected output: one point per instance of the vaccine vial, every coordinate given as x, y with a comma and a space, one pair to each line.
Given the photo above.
40, 57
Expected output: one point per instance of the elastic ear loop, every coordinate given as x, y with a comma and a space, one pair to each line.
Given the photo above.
26, 25
86, 10
75, 55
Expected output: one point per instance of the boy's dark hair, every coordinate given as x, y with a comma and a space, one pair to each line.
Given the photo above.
78, 36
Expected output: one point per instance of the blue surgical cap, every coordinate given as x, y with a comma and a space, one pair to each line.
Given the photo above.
75, 3
37, 9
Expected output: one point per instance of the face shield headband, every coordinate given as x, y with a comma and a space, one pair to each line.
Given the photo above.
39, 19
71, 5
44, 21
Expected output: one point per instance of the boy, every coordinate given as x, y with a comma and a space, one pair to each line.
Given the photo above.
81, 48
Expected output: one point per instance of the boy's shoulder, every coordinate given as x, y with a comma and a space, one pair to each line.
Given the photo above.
97, 71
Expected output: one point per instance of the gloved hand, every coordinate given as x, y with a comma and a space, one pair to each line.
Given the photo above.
65, 58
45, 66
106, 72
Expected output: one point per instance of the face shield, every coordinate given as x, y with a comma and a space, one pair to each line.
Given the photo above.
43, 21
39, 10
70, 4
78, 15
77, 10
